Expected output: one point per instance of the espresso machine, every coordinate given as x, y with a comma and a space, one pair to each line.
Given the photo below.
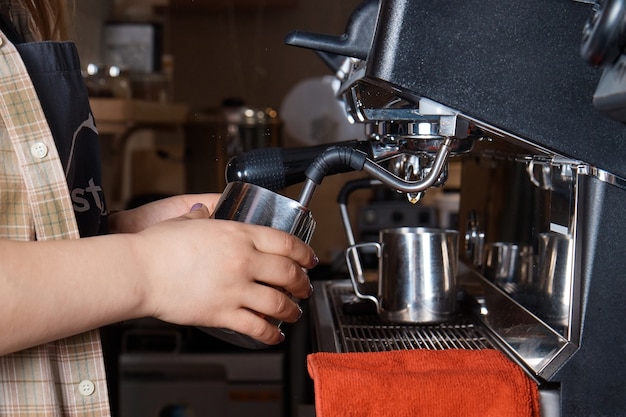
529, 96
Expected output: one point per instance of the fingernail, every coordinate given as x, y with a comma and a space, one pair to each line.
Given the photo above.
282, 335
299, 312
311, 289
197, 206
316, 260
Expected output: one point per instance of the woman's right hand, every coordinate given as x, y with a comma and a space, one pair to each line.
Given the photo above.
219, 273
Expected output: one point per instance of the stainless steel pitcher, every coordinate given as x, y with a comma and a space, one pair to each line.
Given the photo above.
417, 270
250, 203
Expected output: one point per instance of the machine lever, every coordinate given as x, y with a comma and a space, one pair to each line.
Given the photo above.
355, 43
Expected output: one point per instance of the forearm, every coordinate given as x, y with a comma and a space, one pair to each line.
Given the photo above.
54, 289
181, 271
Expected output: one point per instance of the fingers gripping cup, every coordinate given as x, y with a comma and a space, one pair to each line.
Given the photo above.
417, 269
252, 204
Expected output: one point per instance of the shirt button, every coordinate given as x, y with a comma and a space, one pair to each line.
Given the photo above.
86, 387
39, 150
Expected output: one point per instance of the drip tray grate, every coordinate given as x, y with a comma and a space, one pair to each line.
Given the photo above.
362, 330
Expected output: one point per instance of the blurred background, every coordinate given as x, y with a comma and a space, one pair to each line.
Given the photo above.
221, 48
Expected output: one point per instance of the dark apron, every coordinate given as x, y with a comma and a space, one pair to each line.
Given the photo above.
55, 71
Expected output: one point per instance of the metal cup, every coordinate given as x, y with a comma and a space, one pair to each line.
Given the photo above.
554, 277
417, 270
509, 265
252, 204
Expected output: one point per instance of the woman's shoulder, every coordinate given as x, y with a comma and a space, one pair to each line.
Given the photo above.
18, 24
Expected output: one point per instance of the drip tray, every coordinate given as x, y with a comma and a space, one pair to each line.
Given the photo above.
352, 325
343, 323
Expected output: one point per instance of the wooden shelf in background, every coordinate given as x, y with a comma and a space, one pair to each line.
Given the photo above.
114, 116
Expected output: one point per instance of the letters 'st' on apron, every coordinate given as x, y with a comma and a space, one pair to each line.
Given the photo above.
55, 71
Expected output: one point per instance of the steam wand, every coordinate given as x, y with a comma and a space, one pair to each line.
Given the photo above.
355, 159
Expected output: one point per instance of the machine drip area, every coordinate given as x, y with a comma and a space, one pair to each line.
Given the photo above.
517, 283
358, 327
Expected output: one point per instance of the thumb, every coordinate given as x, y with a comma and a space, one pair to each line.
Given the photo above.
198, 211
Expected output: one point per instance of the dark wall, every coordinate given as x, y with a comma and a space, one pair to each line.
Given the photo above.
241, 53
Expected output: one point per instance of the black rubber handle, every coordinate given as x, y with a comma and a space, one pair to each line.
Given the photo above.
278, 168
333, 158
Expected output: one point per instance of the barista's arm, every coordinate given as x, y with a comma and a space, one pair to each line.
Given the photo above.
190, 270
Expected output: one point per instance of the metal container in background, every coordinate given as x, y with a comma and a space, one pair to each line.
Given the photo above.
252, 204
509, 265
555, 276
416, 274
213, 137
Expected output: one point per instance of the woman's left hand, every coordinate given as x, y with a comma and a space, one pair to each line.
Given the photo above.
138, 219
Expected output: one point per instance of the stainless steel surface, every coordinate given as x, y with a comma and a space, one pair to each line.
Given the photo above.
306, 194
367, 332
249, 203
509, 265
554, 279
417, 270
517, 194
538, 347
345, 219
474, 242
428, 180
411, 117
428, 176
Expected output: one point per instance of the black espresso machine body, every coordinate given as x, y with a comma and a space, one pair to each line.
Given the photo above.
543, 194
515, 65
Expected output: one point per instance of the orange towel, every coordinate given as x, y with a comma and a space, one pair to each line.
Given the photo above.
441, 383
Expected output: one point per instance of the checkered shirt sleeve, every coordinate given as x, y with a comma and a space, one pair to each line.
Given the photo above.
66, 377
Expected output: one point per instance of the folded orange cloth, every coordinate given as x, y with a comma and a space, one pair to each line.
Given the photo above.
433, 383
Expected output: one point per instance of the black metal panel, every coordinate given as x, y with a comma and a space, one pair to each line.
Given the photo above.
514, 64
592, 382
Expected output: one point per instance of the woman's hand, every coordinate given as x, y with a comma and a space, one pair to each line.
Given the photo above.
137, 219
189, 270
220, 273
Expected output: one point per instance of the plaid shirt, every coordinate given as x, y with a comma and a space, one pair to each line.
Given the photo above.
66, 377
